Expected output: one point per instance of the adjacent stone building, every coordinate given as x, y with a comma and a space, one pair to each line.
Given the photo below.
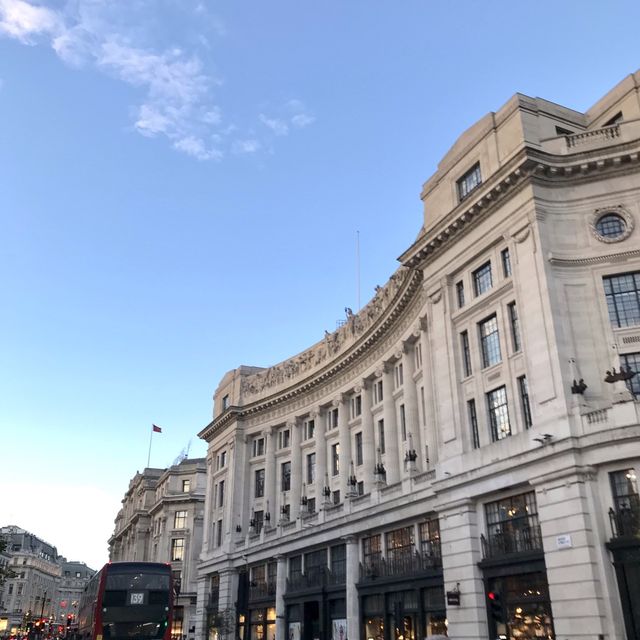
461, 455
32, 591
73, 579
161, 521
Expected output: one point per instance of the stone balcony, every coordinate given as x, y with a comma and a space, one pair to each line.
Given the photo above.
593, 139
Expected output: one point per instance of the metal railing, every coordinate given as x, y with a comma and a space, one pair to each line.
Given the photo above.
409, 563
625, 522
261, 590
605, 133
315, 578
511, 541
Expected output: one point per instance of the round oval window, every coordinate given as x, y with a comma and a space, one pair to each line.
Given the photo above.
611, 225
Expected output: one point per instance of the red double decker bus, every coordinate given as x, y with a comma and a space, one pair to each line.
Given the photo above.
127, 601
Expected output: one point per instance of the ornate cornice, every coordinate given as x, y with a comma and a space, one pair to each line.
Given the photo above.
405, 292
528, 164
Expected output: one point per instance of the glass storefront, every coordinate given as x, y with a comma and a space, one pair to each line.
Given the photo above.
262, 624
405, 614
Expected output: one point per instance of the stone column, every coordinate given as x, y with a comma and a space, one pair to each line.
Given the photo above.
353, 577
227, 596
368, 438
202, 595
270, 477
460, 544
281, 586
564, 509
321, 457
208, 505
429, 433
296, 471
391, 436
344, 436
412, 415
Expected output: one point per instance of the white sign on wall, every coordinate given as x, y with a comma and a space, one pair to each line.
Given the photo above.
564, 541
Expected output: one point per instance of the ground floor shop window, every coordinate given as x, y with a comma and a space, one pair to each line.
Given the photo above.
519, 607
405, 614
263, 624
176, 625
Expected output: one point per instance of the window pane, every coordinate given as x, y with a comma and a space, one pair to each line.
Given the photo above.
482, 280
498, 414
490, 342
623, 303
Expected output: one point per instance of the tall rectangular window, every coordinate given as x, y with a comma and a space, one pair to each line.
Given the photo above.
471, 180
482, 280
339, 561
311, 468
399, 376
372, 550
430, 538
285, 475
186, 486
221, 493
284, 439
418, 355
219, 533
400, 543
180, 520
473, 424
225, 402
332, 419
622, 293
258, 483
460, 294
335, 459
403, 423
498, 413
466, 354
512, 523
258, 521
257, 447
177, 549
381, 436
632, 361
309, 429
506, 262
359, 448
490, 342
377, 391
624, 487
356, 406
523, 388
515, 326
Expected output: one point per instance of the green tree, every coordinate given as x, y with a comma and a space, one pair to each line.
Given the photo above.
5, 571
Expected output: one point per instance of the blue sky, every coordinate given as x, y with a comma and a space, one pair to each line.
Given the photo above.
182, 183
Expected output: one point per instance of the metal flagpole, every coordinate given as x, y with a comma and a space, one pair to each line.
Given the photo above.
150, 440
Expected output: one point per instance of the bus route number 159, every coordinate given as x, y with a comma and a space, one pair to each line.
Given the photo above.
136, 598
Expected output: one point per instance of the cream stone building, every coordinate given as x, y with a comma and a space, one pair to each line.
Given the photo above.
31, 593
459, 457
161, 521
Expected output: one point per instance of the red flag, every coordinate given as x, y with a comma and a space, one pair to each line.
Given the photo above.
156, 428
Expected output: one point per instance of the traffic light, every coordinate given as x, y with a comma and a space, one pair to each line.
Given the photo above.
495, 606
69, 619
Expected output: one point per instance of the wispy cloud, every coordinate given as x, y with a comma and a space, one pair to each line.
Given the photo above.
279, 127
24, 21
177, 91
246, 146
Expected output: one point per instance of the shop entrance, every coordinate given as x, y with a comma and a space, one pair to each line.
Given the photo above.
519, 607
626, 560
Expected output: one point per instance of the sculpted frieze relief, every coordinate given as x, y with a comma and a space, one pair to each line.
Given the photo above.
354, 327
325, 393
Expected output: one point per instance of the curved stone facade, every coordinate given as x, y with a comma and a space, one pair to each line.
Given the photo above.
460, 455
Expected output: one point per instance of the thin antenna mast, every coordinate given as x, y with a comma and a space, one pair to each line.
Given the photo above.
358, 266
